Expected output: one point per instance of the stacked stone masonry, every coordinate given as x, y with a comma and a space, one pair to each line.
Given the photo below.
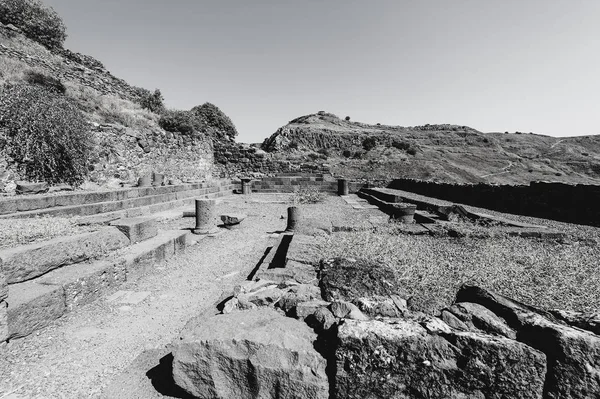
558, 201
239, 160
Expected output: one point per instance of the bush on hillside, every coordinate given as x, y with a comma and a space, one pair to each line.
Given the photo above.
369, 143
184, 122
38, 22
152, 101
47, 135
401, 145
215, 120
49, 82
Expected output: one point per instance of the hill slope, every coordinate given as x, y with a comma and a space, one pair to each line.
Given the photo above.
437, 152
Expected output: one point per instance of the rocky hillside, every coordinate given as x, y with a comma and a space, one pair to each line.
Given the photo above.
436, 152
126, 130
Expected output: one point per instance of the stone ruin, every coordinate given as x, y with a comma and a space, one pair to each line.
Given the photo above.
305, 327
344, 330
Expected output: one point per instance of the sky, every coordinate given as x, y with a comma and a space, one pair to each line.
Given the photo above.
510, 65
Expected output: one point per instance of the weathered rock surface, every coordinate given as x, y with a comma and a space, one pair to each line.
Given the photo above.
350, 279
587, 321
298, 294
573, 354
478, 318
255, 354
300, 272
403, 360
30, 261
231, 219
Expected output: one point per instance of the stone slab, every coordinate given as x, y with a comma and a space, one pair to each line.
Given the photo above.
305, 249
84, 282
33, 306
137, 229
29, 261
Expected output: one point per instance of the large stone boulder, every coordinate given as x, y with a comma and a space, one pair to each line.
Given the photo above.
256, 354
573, 354
403, 359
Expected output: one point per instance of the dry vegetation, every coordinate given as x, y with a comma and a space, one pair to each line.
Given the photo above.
542, 273
15, 232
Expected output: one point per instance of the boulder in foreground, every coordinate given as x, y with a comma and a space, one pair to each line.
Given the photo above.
403, 359
256, 354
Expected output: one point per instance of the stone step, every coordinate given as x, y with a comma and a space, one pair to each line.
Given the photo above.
34, 304
137, 229
102, 202
156, 209
30, 261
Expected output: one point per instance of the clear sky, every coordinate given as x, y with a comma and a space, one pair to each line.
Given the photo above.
494, 65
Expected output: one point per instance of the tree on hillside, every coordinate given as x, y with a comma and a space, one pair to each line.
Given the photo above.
215, 120
36, 21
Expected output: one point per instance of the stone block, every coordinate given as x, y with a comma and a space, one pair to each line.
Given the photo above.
8, 206
403, 359
38, 202
137, 229
30, 261
231, 219
33, 306
84, 282
249, 354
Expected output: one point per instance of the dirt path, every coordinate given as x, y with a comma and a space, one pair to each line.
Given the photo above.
76, 356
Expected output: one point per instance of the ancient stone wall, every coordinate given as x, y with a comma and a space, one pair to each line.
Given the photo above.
128, 154
239, 160
557, 201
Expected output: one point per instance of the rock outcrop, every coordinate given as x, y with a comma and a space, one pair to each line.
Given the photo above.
403, 359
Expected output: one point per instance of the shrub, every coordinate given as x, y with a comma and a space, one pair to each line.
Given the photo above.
183, 122
46, 134
49, 82
293, 145
323, 151
347, 153
347, 118
411, 151
401, 145
307, 195
152, 101
214, 119
369, 143
38, 22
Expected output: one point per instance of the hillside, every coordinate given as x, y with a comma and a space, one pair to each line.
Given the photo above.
121, 131
436, 152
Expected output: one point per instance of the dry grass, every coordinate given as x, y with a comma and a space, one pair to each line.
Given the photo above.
542, 273
111, 109
307, 195
15, 232
11, 70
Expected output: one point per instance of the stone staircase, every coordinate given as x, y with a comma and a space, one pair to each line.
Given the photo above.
43, 281
126, 202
